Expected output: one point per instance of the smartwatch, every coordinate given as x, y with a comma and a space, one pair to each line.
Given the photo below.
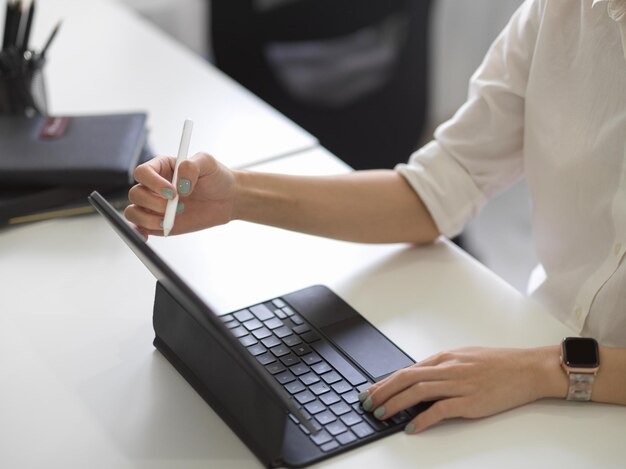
580, 358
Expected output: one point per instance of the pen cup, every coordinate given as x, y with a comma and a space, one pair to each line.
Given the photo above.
22, 87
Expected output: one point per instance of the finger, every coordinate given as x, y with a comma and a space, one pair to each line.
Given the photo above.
146, 199
419, 392
156, 175
398, 382
189, 171
146, 221
440, 410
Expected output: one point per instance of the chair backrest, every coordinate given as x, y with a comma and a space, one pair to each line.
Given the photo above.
380, 128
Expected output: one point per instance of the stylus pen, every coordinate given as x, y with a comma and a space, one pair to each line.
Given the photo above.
183, 149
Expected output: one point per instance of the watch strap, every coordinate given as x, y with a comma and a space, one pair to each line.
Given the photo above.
580, 386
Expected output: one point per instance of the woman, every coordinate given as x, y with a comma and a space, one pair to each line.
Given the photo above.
548, 103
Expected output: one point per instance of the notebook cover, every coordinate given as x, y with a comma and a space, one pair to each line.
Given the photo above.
88, 150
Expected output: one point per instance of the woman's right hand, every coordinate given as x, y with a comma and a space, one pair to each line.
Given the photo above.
205, 186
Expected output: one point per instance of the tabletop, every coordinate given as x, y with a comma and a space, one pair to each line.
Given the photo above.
82, 385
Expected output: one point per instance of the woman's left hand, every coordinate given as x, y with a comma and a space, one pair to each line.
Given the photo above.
470, 382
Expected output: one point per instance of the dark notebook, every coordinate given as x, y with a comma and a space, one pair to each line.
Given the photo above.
96, 150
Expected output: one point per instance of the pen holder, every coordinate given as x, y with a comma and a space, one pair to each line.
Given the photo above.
22, 87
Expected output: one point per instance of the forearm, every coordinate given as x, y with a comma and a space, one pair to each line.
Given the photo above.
610, 383
365, 206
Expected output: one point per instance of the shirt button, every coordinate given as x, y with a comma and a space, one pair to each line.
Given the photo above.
618, 249
578, 312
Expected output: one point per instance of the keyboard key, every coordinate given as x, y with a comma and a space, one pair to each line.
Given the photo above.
336, 428
309, 378
374, 422
288, 311
319, 388
330, 398
339, 363
274, 368
227, 318
239, 331
282, 332
297, 320
304, 397
358, 408
232, 324
299, 369
399, 418
279, 314
257, 349
279, 303
351, 397
262, 312
273, 323
310, 337
311, 359
321, 437
265, 359
362, 430
300, 329
341, 387
321, 368
325, 417
346, 438
351, 418
261, 333
289, 360
292, 340
271, 341
340, 408
301, 349
285, 377
243, 315
280, 350
294, 387
332, 377
253, 324
331, 445
315, 407
248, 340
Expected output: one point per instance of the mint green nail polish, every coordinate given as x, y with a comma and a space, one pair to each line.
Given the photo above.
364, 395
168, 193
367, 405
161, 223
184, 186
180, 208
410, 428
378, 413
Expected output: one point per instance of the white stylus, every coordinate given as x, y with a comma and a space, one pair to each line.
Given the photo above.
183, 149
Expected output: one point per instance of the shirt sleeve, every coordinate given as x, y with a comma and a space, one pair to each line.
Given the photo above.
479, 152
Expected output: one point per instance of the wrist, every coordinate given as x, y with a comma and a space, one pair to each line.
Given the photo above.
550, 381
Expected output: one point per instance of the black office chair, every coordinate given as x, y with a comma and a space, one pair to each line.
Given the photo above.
375, 130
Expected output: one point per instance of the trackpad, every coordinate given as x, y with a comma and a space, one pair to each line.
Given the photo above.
367, 346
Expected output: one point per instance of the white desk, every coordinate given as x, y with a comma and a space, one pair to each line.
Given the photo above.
108, 59
82, 386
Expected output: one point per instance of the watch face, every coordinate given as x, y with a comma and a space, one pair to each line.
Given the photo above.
580, 352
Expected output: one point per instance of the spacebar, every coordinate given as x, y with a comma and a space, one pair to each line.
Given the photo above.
344, 367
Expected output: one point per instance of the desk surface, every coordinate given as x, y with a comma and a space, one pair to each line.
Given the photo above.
107, 59
82, 385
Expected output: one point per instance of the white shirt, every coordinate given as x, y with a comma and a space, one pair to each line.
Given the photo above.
548, 103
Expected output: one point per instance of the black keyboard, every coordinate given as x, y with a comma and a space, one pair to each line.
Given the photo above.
319, 378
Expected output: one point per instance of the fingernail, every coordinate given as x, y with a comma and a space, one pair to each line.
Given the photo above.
378, 413
364, 395
184, 186
168, 193
367, 405
180, 208
161, 223
410, 428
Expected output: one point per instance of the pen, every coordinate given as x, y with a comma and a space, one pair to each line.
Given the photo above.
183, 149
25, 29
49, 41
11, 24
